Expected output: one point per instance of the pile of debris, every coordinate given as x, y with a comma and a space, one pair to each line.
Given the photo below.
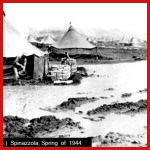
127, 107
16, 127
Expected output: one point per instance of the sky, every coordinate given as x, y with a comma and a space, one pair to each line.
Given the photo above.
122, 16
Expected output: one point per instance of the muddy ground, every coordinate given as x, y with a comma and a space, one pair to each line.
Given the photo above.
125, 108
71, 104
53, 126
50, 126
16, 127
111, 56
75, 77
120, 140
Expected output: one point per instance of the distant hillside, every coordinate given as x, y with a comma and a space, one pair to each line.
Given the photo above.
115, 34
112, 34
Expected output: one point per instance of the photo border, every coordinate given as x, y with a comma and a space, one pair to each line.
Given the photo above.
71, 1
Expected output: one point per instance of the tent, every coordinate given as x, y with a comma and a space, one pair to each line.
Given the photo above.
73, 43
15, 45
31, 39
125, 42
48, 40
136, 42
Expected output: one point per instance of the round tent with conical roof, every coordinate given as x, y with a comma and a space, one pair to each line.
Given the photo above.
48, 40
74, 43
31, 39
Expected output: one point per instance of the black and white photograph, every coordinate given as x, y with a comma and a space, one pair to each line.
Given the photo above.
75, 70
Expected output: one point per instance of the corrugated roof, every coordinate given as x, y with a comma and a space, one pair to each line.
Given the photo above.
14, 44
72, 39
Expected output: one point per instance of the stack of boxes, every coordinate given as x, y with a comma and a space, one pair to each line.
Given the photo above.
62, 72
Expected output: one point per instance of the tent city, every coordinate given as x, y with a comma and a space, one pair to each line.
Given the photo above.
76, 70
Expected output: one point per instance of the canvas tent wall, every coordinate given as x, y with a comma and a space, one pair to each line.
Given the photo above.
73, 43
37, 67
15, 45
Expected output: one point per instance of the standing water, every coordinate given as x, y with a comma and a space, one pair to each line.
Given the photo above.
26, 101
